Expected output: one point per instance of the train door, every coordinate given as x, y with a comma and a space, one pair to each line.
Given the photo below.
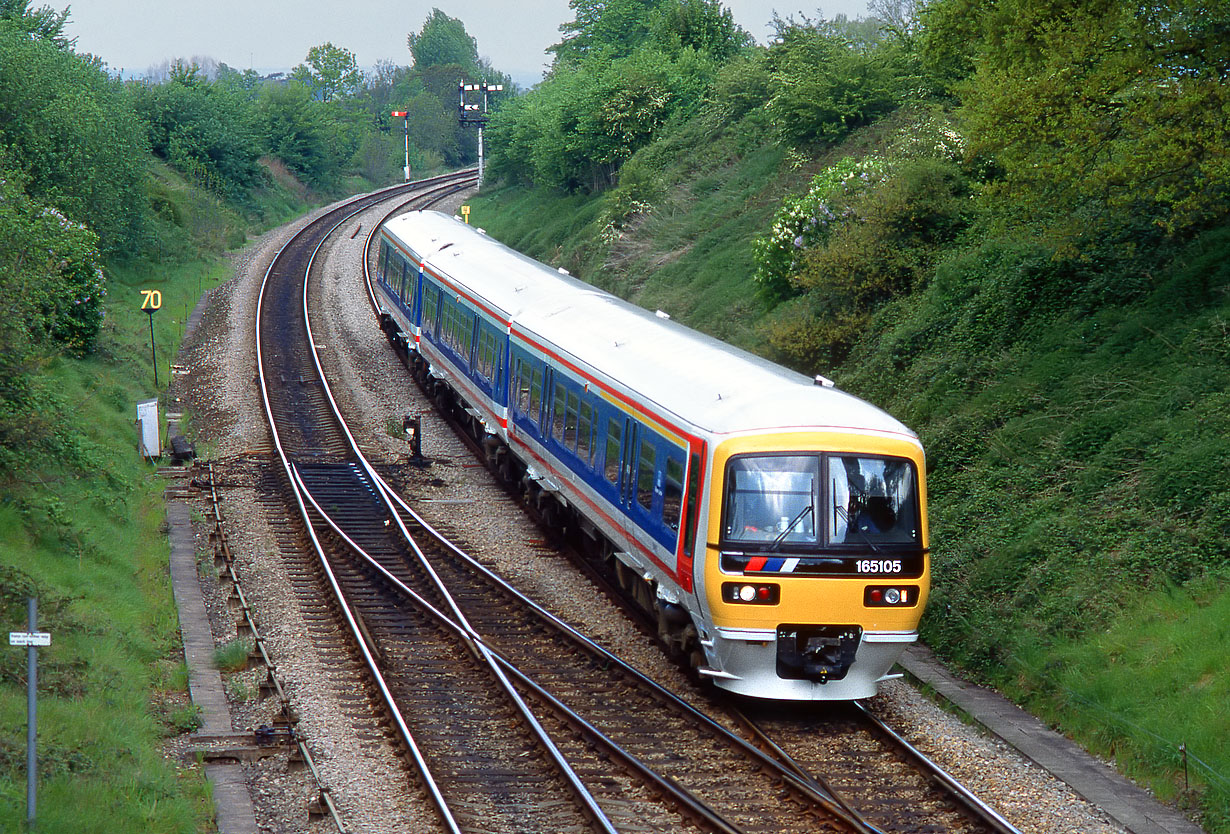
544, 422
627, 469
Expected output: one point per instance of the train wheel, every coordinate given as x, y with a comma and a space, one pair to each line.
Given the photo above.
507, 474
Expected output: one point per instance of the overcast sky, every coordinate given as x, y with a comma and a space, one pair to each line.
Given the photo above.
267, 35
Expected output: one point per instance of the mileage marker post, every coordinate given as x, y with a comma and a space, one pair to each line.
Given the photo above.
151, 302
32, 640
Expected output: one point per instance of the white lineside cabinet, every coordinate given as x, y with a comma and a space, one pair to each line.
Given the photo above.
147, 416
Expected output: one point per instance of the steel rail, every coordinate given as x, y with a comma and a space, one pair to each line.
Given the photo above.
258, 640
466, 633
964, 795
433, 789
788, 761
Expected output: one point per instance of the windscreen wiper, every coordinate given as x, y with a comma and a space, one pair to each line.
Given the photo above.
790, 528
850, 525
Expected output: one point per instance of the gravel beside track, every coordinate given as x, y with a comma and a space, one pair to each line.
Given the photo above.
357, 763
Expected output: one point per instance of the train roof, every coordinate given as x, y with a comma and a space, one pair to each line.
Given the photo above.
702, 381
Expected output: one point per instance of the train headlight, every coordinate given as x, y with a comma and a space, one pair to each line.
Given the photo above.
890, 596
751, 593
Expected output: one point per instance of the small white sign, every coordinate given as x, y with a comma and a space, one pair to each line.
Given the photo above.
29, 638
147, 416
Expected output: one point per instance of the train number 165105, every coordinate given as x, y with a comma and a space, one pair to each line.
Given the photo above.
879, 566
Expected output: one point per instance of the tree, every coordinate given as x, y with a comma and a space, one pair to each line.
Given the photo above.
73, 135
1101, 111
825, 85
443, 40
330, 72
703, 25
613, 28
43, 24
204, 128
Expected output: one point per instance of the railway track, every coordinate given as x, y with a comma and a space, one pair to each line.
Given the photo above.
512, 720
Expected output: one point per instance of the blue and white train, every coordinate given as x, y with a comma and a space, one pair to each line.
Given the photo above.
774, 525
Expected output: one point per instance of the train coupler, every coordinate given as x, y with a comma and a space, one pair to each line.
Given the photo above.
816, 653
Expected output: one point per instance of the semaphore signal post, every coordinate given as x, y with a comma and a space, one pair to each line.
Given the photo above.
475, 114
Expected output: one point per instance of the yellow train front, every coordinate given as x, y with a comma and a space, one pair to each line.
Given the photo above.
815, 569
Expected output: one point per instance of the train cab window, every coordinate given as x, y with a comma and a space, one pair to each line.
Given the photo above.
614, 440
672, 492
558, 416
645, 472
382, 262
585, 446
772, 499
689, 521
874, 500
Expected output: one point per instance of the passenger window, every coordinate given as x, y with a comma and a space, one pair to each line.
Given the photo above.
522, 385
672, 492
535, 395
558, 418
584, 444
570, 420
431, 305
613, 441
644, 476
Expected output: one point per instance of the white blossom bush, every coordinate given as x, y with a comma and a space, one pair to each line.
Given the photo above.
808, 220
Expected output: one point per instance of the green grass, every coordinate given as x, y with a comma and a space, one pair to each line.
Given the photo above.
85, 534
233, 656
1150, 685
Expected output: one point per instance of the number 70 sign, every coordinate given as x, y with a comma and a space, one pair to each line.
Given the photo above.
151, 302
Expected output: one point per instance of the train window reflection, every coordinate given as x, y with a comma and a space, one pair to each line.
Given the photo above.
772, 499
613, 442
874, 500
672, 492
558, 411
645, 476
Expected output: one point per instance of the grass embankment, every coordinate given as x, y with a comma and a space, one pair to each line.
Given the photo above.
83, 530
84, 533
1078, 433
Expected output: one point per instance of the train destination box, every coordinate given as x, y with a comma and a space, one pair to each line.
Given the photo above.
29, 638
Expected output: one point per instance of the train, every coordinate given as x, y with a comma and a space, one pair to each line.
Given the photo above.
772, 525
